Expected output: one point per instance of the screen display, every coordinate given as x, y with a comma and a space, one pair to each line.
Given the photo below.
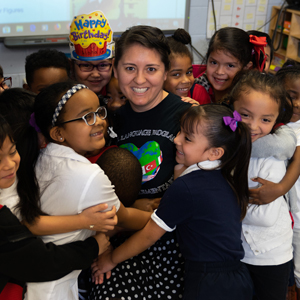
53, 17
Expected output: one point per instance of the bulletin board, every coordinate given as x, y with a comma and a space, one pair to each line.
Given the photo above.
244, 14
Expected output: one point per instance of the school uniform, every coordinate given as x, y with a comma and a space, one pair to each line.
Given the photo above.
69, 183
203, 209
267, 234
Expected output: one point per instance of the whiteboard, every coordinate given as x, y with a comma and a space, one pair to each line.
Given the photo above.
31, 18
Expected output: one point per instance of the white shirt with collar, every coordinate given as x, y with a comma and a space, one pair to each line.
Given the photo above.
69, 183
267, 229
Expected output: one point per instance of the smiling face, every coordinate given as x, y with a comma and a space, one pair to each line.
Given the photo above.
77, 135
95, 80
221, 69
180, 78
192, 147
9, 163
259, 111
141, 74
293, 88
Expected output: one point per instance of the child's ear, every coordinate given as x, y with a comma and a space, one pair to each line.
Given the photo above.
56, 134
215, 153
26, 87
248, 66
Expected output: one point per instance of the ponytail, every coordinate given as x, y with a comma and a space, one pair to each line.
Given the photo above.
27, 187
235, 168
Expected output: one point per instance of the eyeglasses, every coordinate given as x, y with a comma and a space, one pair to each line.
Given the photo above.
102, 67
6, 83
90, 117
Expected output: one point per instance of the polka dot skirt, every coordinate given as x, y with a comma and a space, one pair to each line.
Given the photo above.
157, 273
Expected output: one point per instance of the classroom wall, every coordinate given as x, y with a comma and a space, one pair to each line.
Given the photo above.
13, 59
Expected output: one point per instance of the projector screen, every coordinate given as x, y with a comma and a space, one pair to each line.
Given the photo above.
50, 18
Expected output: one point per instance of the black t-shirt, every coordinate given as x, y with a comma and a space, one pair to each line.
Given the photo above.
149, 136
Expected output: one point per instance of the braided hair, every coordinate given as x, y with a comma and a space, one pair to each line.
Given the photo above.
289, 71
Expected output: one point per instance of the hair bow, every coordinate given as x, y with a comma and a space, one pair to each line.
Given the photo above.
259, 44
232, 122
33, 123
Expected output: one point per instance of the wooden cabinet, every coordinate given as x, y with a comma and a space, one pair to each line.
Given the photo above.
289, 47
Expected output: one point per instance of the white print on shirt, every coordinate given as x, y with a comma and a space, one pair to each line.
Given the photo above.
158, 189
148, 132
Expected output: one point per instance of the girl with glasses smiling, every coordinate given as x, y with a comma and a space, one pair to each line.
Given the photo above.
94, 74
91, 55
70, 118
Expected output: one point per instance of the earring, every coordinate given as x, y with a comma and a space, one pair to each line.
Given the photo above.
60, 138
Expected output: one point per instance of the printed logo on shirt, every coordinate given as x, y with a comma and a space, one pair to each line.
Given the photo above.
147, 132
149, 156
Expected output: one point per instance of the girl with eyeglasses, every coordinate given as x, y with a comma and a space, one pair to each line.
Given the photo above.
91, 56
69, 116
94, 74
23, 256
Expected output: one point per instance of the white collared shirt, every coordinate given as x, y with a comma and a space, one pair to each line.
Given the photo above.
69, 183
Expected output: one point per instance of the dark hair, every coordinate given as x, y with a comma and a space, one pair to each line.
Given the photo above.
178, 42
45, 58
289, 71
232, 40
1, 72
147, 36
236, 145
263, 34
28, 143
5, 131
268, 84
45, 104
16, 105
124, 171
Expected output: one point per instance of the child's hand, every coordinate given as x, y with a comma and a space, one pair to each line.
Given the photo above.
103, 242
103, 264
99, 278
266, 193
95, 219
190, 100
147, 204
